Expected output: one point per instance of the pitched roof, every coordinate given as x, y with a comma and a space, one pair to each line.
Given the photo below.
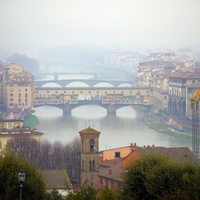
112, 169
89, 131
56, 178
193, 85
176, 153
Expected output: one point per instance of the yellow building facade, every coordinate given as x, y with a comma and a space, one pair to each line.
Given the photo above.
11, 129
18, 87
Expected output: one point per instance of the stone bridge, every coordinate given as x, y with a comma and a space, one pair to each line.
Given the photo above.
89, 82
111, 98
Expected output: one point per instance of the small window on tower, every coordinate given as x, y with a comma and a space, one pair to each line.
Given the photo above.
91, 145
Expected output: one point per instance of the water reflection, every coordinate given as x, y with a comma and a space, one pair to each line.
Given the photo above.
116, 130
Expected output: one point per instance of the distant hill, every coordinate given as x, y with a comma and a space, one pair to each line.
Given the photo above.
30, 64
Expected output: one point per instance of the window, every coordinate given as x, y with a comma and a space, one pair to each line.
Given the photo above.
11, 104
122, 92
26, 90
91, 165
47, 91
19, 95
91, 145
11, 94
11, 99
0, 144
113, 92
11, 85
97, 92
130, 92
26, 95
117, 154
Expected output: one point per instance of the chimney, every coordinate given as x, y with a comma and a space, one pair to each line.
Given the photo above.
148, 146
131, 144
144, 146
153, 145
134, 144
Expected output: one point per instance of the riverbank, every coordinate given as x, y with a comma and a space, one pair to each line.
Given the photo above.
156, 123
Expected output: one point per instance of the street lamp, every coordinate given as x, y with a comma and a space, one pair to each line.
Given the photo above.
21, 179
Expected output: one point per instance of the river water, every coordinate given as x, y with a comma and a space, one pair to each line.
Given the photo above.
116, 130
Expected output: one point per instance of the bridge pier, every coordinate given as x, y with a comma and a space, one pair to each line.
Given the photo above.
67, 110
111, 109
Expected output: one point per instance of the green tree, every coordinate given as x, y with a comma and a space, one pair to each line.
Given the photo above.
158, 177
85, 193
33, 187
108, 194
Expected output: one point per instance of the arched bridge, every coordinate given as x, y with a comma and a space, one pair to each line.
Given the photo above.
111, 98
89, 82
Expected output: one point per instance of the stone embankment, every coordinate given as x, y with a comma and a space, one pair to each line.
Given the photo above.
163, 126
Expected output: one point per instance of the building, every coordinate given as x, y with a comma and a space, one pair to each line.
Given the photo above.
160, 100
12, 129
186, 54
160, 55
57, 179
177, 91
18, 88
122, 59
190, 90
89, 157
111, 169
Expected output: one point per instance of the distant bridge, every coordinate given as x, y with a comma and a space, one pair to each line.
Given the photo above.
89, 82
111, 98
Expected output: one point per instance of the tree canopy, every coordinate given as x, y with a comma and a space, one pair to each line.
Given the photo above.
159, 177
33, 187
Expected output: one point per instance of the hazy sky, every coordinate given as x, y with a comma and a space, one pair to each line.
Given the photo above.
33, 24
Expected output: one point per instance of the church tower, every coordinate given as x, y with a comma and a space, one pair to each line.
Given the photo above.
89, 157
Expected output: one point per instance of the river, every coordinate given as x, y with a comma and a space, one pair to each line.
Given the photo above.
116, 130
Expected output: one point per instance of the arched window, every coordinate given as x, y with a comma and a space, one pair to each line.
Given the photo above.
91, 165
91, 145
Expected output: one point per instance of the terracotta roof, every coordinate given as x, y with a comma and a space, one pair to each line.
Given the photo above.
112, 169
11, 120
56, 178
184, 75
193, 85
89, 131
176, 153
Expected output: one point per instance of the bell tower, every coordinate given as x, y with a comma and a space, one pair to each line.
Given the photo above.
90, 157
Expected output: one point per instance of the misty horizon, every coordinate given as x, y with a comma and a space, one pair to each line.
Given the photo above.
30, 26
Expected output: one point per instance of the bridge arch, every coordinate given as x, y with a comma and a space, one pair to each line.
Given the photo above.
103, 84
77, 83
51, 84
125, 85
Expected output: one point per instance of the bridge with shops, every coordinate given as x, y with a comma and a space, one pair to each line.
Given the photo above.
111, 98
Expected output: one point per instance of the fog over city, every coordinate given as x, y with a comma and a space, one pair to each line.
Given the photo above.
28, 26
